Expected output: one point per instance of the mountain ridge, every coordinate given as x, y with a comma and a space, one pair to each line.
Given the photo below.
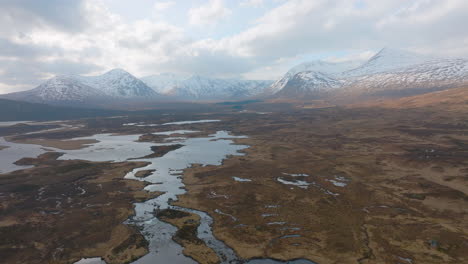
116, 84
390, 72
197, 87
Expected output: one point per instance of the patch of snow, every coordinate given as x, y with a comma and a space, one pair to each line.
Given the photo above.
90, 261
300, 184
276, 223
269, 215
296, 175
221, 213
190, 122
339, 181
241, 179
213, 194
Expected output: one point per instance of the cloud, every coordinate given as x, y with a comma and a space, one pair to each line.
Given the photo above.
161, 6
10, 49
25, 74
359, 56
208, 14
27, 14
39, 39
301, 27
252, 3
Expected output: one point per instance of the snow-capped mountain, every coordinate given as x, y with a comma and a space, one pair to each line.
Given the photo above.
304, 83
388, 59
164, 82
204, 88
301, 77
64, 89
437, 74
118, 83
388, 73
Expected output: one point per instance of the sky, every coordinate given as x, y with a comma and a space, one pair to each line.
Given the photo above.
249, 39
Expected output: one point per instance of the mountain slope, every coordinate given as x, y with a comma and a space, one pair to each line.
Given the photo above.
118, 83
388, 73
322, 69
198, 87
60, 89
421, 78
305, 83
386, 60
451, 99
114, 85
203, 88
164, 82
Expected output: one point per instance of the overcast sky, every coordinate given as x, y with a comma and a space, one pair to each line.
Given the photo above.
252, 39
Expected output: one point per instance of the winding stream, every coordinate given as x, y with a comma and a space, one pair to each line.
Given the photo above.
166, 178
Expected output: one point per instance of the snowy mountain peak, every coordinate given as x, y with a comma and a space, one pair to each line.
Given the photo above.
324, 71
198, 87
113, 84
62, 88
164, 82
389, 72
324, 67
117, 71
389, 59
119, 83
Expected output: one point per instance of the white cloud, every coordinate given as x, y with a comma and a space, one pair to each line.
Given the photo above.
359, 56
210, 13
422, 12
161, 6
252, 3
34, 45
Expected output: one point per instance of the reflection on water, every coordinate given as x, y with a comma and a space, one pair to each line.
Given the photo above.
110, 148
15, 152
167, 178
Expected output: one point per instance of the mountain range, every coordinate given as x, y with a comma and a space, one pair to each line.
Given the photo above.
116, 84
204, 88
389, 73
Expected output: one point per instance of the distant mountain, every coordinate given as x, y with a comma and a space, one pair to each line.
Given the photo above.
118, 83
114, 85
197, 88
390, 72
60, 89
429, 76
313, 76
307, 82
164, 82
386, 60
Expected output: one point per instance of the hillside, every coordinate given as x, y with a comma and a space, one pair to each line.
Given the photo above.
389, 73
87, 91
451, 99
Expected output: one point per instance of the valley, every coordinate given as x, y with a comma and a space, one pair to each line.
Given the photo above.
351, 184
233, 132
